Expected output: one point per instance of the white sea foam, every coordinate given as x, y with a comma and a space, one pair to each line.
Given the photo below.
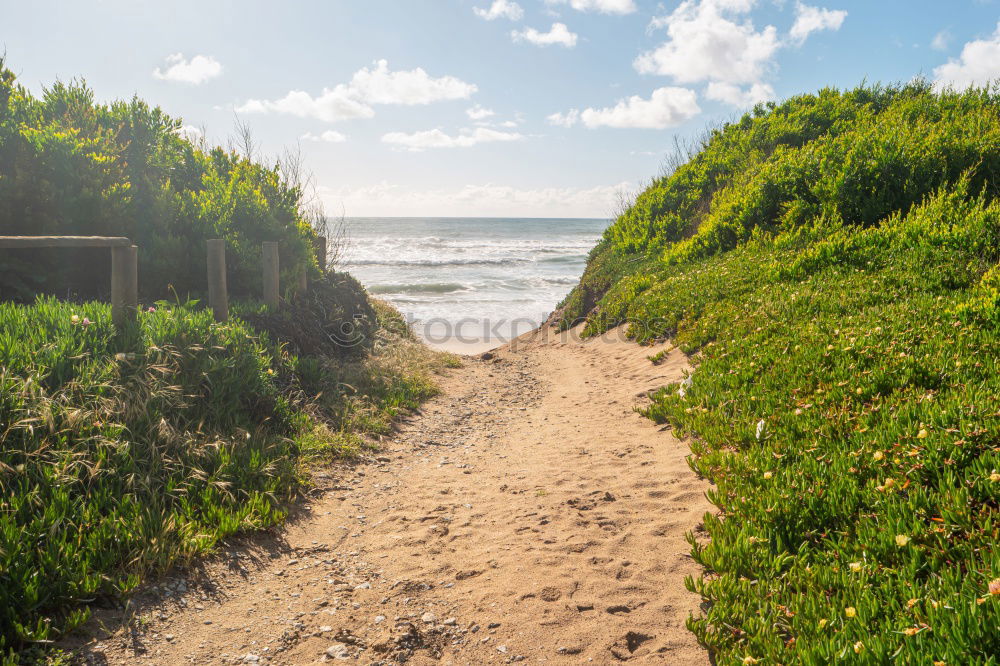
453, 270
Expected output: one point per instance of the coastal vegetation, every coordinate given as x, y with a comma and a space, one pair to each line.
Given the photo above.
830, 263
127, 450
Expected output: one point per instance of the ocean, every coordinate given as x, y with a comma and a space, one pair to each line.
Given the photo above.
469, 284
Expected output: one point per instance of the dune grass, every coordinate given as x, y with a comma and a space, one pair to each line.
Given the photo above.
125, 452
844, 325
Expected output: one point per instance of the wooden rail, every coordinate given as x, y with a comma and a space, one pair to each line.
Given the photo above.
124, 266
125, 270
14, 242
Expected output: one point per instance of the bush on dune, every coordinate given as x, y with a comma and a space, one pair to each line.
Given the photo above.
831, 264
70, 166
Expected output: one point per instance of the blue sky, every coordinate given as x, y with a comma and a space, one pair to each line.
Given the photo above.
486, 107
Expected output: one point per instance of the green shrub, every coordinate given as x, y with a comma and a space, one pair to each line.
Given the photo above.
71, 166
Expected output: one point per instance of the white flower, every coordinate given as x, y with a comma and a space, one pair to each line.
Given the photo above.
760, 429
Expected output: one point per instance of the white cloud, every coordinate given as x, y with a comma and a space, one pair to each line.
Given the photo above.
368, 86
567, 119
435, 138
479, 113
328, 136
332, 105
501, 9
195, 71
812, 19
666, 107
941, 40
557, 34
978, 65
390, 199
706, 42
190, 132
602, 6
733, 94
380, 86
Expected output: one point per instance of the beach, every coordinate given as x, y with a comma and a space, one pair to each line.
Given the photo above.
467, 285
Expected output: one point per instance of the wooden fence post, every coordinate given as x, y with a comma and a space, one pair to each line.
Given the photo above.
271, 269
218, 296
320, 245
124, 284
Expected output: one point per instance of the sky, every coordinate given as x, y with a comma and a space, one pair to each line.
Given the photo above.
491, 108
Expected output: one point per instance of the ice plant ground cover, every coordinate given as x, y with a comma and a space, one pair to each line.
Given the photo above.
831, 264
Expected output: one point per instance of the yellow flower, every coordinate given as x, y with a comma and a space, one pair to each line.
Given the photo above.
994, 586
859, 647
858, 390
822, 623
878, 455
940, 663
922, 434
902, 540
850, 611
749, 660
911, 631
768, 475
995, 477
75, 319
911, 603
855, 566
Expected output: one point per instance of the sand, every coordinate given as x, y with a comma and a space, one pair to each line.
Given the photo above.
526, 514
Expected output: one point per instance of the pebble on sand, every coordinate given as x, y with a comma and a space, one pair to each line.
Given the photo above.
338, 651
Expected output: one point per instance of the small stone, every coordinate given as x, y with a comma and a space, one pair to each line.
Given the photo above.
493, 625
451, 622
251, 658
364, 586
379, 619
502, 648
428, 617
338, 651
168, 637
325, 629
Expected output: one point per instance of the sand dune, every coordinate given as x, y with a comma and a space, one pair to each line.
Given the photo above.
527, 514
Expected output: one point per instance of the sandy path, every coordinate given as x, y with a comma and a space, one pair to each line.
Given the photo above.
527, 514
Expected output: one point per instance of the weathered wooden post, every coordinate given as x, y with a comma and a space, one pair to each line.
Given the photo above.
218, 296
271, 268
124, 283
320, 245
